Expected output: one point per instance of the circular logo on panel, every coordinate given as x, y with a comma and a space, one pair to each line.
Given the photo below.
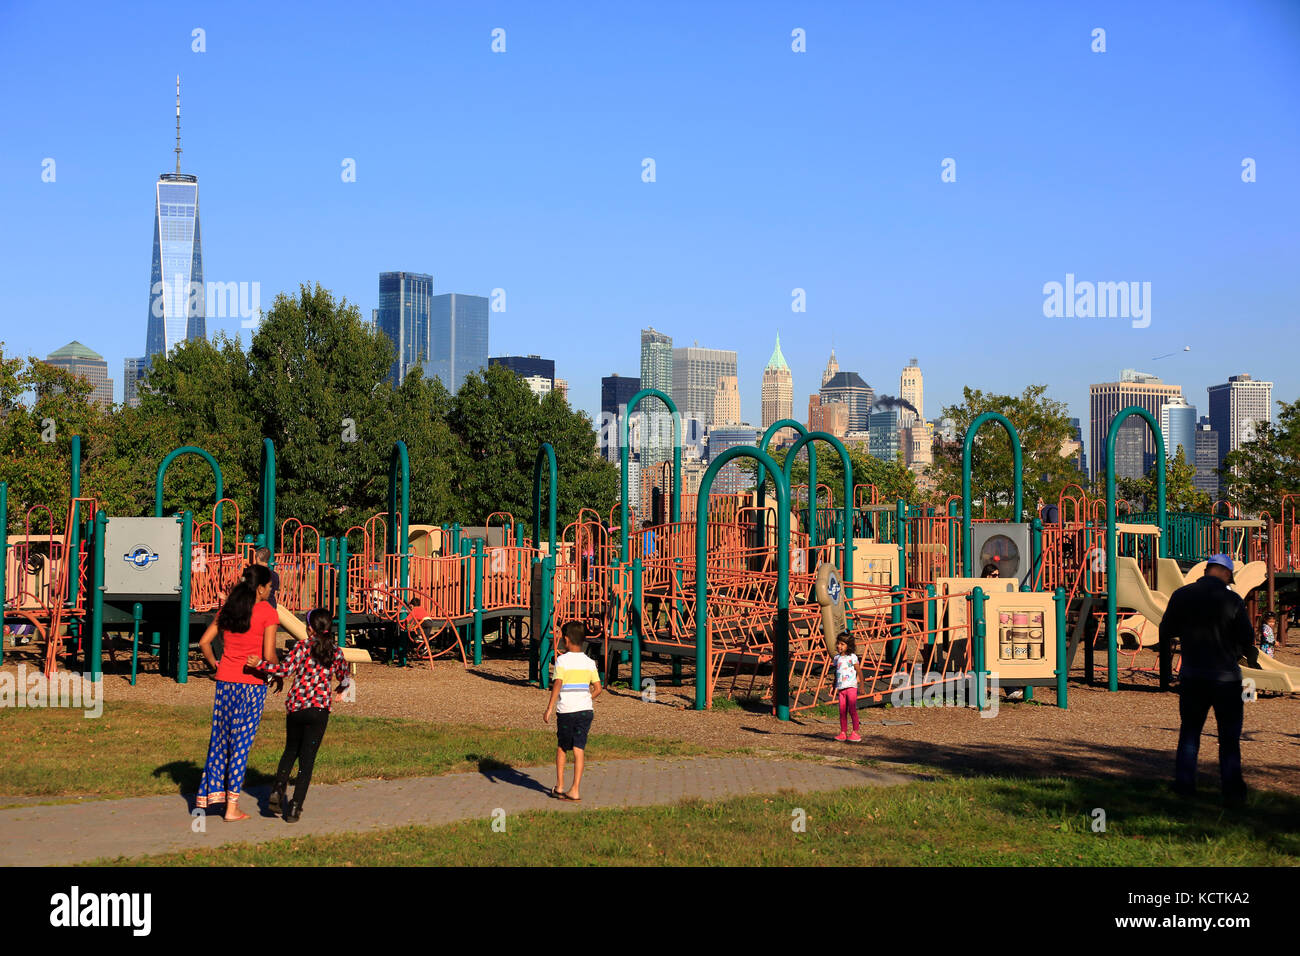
833, 587
140, 557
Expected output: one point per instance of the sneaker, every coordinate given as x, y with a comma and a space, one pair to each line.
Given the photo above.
841, 736
855, 737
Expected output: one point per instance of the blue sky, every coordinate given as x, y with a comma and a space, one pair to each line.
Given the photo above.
775, 170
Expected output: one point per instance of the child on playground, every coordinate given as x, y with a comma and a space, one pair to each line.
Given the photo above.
312, 662
1268, 634
845, 663
573, 689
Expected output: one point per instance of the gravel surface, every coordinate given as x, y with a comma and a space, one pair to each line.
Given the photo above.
1131, 732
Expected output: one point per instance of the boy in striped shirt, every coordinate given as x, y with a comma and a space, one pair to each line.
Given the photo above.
573, 688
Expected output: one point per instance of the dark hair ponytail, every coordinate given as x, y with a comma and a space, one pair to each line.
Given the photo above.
237, 613
320, 626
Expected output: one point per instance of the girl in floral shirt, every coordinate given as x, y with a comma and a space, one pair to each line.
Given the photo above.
312, 662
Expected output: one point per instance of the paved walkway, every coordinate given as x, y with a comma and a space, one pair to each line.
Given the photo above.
74, 833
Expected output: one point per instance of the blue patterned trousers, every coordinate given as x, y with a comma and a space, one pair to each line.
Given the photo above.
236, 712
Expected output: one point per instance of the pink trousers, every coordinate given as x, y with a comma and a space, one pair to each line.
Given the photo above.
848, 705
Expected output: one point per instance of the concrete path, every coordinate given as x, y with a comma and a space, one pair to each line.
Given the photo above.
74, 833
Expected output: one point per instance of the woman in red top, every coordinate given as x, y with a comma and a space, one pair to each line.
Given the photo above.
248, 624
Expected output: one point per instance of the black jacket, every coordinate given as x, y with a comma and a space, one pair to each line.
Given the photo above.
1211, 622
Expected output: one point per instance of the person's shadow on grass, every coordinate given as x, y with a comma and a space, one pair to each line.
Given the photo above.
186, 774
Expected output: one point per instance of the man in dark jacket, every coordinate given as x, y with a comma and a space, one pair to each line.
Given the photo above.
1213, 628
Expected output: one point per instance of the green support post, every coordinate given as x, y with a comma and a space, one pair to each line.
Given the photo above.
137, 614
478, 601
900, 509
1036, 565
931, 612
548, 615
1062, 665
96, 661
183, 638
895, 623
399, 469
268, 498
74, 544
952, 539
977, 646
635, 635
342, 553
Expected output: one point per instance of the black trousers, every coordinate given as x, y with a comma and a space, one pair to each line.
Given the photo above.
1195, 699
304, 730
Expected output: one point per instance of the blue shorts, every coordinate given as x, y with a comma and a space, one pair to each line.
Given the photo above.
571, 729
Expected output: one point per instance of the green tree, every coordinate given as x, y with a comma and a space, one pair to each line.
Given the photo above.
1260, 472
1181, 494
1044, 428
893, 480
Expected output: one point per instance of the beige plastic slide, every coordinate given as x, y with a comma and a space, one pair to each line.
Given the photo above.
1273, 676
297, 629
1131, 591
1246, 576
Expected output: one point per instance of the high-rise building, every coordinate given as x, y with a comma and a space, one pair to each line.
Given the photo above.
849, 388
778, 393
528, 366
832, 417
177, 297
1131, 459
405, 300
458, 336
656, 372
1080, 453
1207, 458
1108, 399
615, 392
832, 368
134, 372
1236, 407
917, 443
726, 403
562, 388
695, 380
886, 428
539, 385
732, 479
88, 364
911, 388
1178, 426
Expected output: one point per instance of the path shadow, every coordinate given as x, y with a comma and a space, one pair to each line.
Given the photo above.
186, 775
498, 772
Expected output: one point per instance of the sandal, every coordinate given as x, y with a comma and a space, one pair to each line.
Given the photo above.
565, 796
556, 793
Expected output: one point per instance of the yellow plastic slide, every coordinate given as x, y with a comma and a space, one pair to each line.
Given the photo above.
298, 630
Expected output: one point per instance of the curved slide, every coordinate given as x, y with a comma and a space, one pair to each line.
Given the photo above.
1273, 676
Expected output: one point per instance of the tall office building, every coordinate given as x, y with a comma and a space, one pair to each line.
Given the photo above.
1079, 454
1178, 426
1236, 407
458, 338
656, 372
832, 368
403, 315
778, 393
615, 392
732, 479
887, 433
911, 388
1108, 399
528, 366
177, 298
726, 402
832, 417
134, 371
1207, 458
849, 388
695, 380
1131, 459
88, 364
562, 389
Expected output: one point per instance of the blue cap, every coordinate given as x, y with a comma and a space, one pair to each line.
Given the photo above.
1223, 560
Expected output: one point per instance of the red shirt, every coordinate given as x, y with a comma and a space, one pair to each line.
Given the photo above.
238, 646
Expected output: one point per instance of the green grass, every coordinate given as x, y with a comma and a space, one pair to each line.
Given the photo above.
969, 821
140, 749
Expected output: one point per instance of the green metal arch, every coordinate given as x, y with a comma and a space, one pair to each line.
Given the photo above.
547, 453
1112, 545
267, 483
167, 462
399, 467
1018, 460
807, 440
624, 454
781, 662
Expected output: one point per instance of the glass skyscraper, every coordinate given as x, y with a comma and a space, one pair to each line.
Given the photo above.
458, 337
405, 301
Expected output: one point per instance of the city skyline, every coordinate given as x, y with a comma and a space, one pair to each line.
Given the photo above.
1156, 216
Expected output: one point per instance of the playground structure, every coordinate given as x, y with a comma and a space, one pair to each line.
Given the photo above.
748, 593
